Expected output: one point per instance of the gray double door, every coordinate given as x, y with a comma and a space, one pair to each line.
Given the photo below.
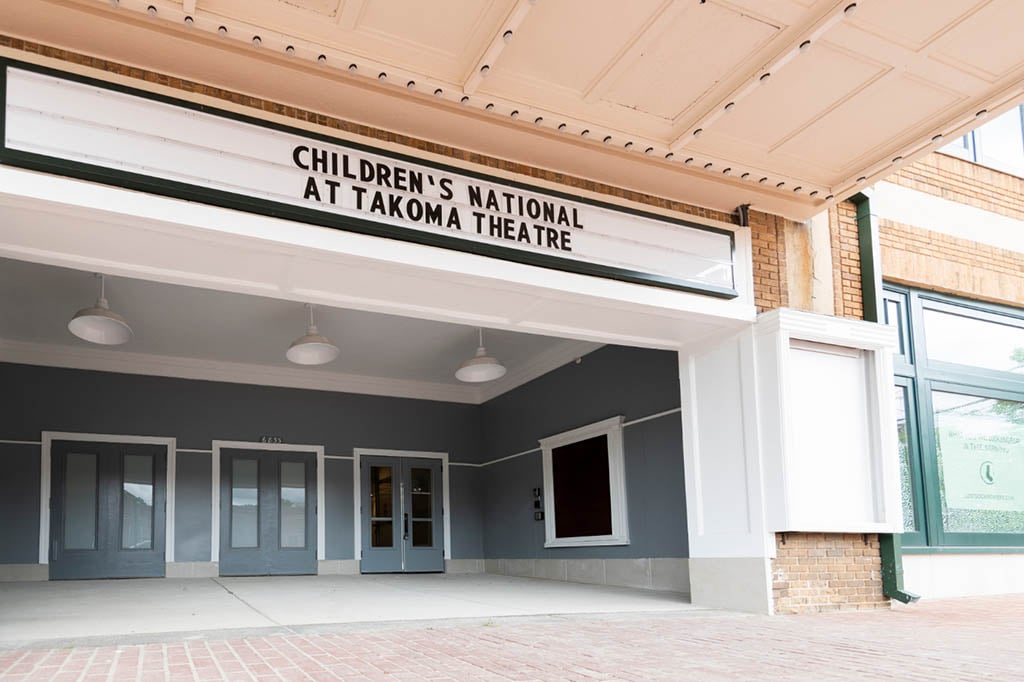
402, 515
268, 513
107, 510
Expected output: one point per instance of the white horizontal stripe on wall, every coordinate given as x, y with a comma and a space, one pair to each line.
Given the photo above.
910, 207
640, 420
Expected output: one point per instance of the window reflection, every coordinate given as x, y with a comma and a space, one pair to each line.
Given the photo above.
293, 504
974, 342
244, 503
137, 502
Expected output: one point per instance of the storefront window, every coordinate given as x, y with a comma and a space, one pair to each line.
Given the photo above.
960, 420
906, 478
975, 342
980, 451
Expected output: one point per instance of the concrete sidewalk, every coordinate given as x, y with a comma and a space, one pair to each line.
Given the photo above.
119, 611
969, 639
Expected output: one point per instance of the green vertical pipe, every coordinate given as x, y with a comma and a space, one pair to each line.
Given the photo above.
870, 258
891, 545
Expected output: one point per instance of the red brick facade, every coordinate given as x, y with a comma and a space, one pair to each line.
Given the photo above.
923, 258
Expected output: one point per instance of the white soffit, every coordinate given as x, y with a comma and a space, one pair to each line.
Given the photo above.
826, 96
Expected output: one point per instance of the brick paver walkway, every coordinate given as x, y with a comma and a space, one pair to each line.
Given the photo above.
980, 638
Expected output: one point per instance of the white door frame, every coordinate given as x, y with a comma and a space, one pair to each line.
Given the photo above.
44, 482
321, 531
357, 492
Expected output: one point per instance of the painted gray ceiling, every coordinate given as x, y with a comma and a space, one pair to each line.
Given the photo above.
168, 320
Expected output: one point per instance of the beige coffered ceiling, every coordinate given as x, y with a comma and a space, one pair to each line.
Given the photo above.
776, 103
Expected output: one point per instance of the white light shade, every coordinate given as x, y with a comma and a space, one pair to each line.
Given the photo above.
481, 367
311, 349
100, 324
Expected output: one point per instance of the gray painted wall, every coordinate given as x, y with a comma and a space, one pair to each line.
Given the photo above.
19, 502
193, 497
614, 380
197, 412
492, 507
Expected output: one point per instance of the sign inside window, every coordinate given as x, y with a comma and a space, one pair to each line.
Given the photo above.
981, 454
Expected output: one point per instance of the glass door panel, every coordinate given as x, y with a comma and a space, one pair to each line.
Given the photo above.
137, 502
245, 503
80, 501
420, 493
382, 526
293, 504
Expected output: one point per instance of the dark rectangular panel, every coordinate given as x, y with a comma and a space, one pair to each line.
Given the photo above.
583, 501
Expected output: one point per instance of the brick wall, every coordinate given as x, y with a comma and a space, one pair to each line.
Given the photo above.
849, 300
919, 257
768, 235
965, 182
815, 572
768, 231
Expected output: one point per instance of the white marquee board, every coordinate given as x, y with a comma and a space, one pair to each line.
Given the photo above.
100, 132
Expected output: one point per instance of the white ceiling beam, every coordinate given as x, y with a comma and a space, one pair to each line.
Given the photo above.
804, 40
504, 35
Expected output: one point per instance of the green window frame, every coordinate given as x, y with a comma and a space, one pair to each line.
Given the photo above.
918, 377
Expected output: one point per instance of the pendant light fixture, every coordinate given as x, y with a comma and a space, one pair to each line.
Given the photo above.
481, 367
100, 324
311, 349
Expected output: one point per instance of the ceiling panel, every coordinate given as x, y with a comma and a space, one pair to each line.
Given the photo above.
886, 108
796, 97
444, 26
568, 43
988, 41
692, 53
913, 23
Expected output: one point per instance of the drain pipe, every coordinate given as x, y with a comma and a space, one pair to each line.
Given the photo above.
891, 544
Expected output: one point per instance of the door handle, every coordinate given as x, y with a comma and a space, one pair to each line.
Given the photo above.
405, 526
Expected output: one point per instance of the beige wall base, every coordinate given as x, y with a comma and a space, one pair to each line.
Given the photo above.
735, 584
457, 566
652, 574
23, 572
192, 569
338, 567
